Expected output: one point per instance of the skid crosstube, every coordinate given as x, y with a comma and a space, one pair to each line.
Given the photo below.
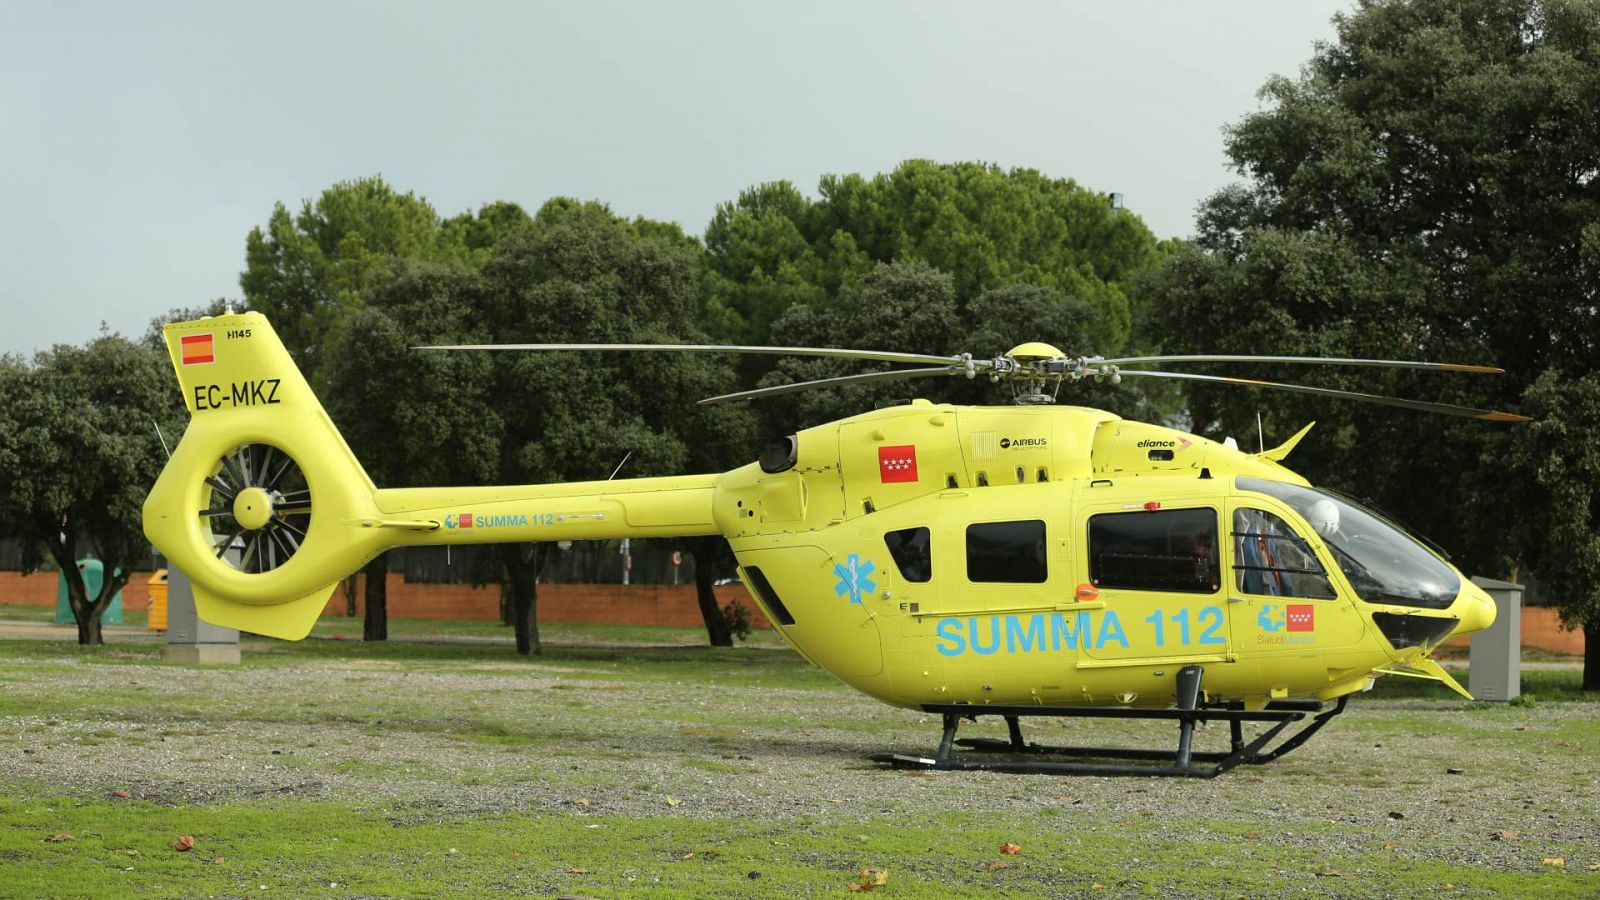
1180, 763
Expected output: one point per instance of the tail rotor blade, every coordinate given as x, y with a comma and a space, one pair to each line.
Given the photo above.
1421, 405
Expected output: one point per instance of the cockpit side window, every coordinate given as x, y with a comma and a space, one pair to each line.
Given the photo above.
1382, 563
912, 552
1270, 559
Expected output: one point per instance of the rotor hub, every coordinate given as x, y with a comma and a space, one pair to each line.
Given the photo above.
252, 508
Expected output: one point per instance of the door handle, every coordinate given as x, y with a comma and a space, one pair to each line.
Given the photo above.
1236, 600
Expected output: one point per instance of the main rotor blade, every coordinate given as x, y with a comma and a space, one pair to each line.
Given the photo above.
1312, 360
892, 375
1422, 405
832, 352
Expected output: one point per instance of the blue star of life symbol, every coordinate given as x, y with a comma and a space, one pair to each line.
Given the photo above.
853, 578
1269, 620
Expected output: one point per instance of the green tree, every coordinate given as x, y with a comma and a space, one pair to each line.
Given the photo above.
1426, 188
309, 272
78, 453
1562, 538
984, 226
413, 419
582, 274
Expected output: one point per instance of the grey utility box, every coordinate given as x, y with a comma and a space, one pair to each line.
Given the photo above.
189, 639
1496, 672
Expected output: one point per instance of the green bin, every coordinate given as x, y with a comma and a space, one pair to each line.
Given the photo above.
93, 575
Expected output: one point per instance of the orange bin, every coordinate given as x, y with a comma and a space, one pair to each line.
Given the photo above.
158, 600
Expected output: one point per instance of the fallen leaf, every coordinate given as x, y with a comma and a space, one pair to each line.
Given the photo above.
991, 866
583, 801
1455, 771
217, 861
184, 843
1097, 886
63, 837
1391, 846
672, 801
122, 795
1555, 860
574, 870
689, 855
1503, 836
869, 878
1010, 849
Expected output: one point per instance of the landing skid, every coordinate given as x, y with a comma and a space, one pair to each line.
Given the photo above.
1181, 763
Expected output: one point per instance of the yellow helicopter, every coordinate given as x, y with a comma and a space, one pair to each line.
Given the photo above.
1031, 560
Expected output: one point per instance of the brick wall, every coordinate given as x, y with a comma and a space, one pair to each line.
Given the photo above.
39, 589
637, 604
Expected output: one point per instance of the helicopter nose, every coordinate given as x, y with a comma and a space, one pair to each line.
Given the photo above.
1474, 608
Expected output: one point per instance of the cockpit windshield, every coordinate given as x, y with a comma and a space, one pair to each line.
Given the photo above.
1382, 563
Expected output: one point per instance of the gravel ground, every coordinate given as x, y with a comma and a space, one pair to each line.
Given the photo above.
494, 737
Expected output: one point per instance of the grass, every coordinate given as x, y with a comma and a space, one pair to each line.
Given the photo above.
126, 849
617, 765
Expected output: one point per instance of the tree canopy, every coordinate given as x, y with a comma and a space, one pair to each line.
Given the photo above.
78, 452
985, 227
1426, 188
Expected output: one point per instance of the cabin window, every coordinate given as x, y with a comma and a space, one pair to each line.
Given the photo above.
910, 548
1011, 552
1162, 550
1270, 559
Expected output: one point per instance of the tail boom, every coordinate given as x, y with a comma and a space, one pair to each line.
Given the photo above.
264, 557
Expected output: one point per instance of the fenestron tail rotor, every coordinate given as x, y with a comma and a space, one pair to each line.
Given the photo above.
1036, 371
257, 504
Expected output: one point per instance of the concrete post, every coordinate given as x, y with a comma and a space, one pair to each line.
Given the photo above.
190, 640
1496, 653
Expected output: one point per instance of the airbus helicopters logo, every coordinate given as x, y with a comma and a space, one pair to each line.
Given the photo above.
1022, 443
1276, 620
854, 577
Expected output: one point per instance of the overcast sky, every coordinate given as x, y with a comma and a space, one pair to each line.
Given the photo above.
139, 143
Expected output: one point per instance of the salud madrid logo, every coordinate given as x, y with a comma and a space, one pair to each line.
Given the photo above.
1275, 620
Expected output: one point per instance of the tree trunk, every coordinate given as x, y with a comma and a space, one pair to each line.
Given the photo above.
523, 563
1591, 657
350, 596
89, 628
709, 553
375, 627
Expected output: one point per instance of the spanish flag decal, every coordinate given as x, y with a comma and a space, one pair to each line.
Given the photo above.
197, 349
